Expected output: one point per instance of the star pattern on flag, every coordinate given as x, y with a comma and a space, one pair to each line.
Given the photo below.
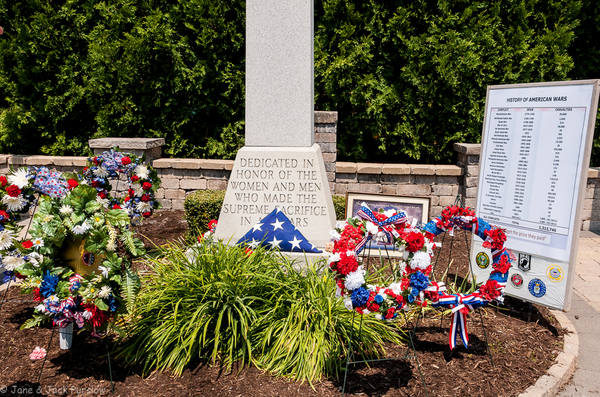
276, 231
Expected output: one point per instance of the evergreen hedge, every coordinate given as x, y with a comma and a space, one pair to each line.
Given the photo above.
408, 78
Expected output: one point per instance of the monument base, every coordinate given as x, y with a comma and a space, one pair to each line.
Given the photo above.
292, 180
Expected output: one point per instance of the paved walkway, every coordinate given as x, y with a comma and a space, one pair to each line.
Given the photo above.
585, 316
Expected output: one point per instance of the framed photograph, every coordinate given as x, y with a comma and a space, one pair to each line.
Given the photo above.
414, 207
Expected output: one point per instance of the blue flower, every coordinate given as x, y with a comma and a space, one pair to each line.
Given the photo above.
359, 296
49, 283
414, 292
8, 276
112, 304
378, 299
419, 281
411, 298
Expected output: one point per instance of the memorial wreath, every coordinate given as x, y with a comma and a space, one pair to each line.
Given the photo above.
412, 285
77, 262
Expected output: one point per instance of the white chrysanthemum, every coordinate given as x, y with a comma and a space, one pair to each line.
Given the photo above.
37, 242
366, 311
48, 218
40, 308
378, 316
19, 178
141, 171
143, 207
420, 260
14, 204
80, 229
35, 259
372, 228
396, 288
104, 270
348, 303
101, 172
355, 279
389, 213
102, 201
6, 239
10, 263
87, 314
105, 292
66, 209
137, 188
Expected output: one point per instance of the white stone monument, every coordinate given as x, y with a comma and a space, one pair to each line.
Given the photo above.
280, 166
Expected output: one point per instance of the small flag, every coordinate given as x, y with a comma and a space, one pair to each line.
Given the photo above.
276, 231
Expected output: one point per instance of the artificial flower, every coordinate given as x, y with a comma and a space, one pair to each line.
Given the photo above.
146, 186
38, 353
360, 296
27, 244
72, 183
104, 270
414, 241
35, 259
19, 178
105, 291
14, 204
3, 181
125, 160
101, 172
141, 171
420, 260
49, 283
6, 239
10, 263
66, 209
38, 242
4, 216
81, 229
355, 279
143, 207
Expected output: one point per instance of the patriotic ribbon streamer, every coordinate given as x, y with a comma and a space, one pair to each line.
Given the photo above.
366, 214
458, 326
50, 183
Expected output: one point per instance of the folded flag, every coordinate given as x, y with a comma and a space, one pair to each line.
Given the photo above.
275, 231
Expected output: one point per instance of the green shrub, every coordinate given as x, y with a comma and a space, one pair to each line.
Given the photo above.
339, 203
225, 306
201, 207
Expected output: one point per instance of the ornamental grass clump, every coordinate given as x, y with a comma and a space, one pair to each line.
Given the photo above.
219, 304
198, 303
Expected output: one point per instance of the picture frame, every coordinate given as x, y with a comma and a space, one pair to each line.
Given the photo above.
415, 207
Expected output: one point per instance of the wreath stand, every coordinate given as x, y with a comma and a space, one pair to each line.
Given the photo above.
489, 353
411, 352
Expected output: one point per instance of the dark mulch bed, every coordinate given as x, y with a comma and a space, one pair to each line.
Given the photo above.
522, 351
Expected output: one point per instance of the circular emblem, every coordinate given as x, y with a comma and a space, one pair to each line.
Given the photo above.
537, 288
483, 260
516, 280
555, 273
88, 258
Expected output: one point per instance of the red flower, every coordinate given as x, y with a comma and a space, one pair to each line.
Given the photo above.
95, 160
3, 180
146, 186
27, 244
116, 207
38, 296
72, 183
96, 184
415, 241
125, 160
145, 198
98, 316
126, 199
503, 265
390, 313
372, 306
4, 216
135, 178
13, 191
212, 225
147, 214
346, 264
497, 237
490, 290
102, 195
131, 192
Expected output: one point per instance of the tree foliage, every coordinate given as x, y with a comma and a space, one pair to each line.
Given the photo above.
408, 78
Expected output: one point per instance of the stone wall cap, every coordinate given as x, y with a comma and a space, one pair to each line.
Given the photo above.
468, 148
126, 143
345, 168
448, 170
594, 172
323, 117
395, 169
422, 169
369, 168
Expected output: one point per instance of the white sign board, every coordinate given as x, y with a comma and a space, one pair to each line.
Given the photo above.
535, 154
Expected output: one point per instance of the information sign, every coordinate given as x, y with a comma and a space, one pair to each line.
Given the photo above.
535, 154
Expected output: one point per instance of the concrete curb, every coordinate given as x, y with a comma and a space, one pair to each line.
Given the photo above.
559, 374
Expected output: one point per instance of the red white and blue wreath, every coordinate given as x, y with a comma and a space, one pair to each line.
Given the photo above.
77, 262
413, 286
